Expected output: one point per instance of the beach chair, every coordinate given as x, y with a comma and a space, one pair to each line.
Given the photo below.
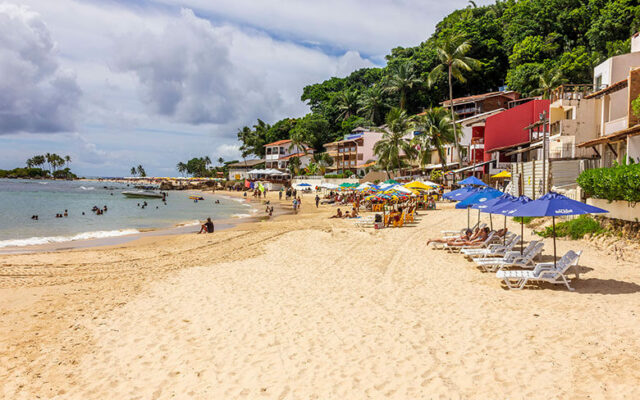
400, 221
513, 258
480, 245
461, 231
494, 250
369, 220
542, 272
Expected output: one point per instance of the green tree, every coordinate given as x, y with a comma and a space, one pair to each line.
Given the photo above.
181, 167
347, 103
141, 171
293, 166
372, 104
133, 171
401, 81
547, 81
322, 160
312, 129
454, 61
436, 131
393, 144
67, 160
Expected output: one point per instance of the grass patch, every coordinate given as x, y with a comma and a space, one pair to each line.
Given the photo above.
524, 220
575, 228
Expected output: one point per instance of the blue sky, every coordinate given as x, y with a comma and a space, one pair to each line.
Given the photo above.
119, 83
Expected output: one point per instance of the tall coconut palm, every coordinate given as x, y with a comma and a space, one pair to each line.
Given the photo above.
141, 171
293, 165
401, 80
181, 167
347, 103
393, 144
547, 81
67, 160
323, 160
220, 160
452, 55
133, 171
436, 131
372, 104
298, 142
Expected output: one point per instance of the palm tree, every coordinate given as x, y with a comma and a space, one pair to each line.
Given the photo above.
49, 158
298, 141
141, 171
372, 104
401, 81
220, 160
67, 160
181, 167
389, 149
436, 131
547, 81
453, 58
293, 165
347, 103
323, 160
133, 171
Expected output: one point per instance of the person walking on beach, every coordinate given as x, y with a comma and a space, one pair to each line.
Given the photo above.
295, 205
280, 194
317, 200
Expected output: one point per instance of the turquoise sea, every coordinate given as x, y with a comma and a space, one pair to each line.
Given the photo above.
20, 199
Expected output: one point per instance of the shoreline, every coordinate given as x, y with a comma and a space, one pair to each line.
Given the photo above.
178, 229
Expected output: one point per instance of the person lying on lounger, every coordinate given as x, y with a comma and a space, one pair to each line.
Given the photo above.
467, 235
484, 233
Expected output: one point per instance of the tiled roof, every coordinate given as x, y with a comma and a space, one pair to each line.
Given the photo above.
292, 155
477, 97
279, 142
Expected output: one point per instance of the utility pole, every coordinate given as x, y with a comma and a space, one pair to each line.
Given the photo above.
545, 181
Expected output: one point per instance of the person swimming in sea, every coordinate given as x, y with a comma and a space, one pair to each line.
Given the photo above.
66, 214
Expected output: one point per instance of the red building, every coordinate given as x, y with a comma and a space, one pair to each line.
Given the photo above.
514, 128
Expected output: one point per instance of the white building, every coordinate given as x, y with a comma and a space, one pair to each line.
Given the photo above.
278, 154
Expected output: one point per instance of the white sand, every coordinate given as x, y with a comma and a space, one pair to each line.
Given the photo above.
320, 309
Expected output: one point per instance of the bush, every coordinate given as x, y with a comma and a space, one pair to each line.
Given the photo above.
335, 176
621, 182
524, 220
575, 228
348, 174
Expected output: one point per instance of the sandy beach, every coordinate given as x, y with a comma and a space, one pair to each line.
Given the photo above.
306, 307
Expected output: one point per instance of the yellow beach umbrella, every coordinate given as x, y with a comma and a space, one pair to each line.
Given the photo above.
418, 185
503, 174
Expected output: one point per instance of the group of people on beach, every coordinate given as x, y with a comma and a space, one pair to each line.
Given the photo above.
354, 213
469, 237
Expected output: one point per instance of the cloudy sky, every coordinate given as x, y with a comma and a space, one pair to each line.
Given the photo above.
116, 83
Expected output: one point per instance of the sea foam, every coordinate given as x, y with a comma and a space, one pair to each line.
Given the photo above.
59, 239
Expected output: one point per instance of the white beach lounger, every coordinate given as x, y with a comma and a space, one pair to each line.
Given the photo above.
365, 221
513, 258
543, 272
460, 232
479, 245
494, 250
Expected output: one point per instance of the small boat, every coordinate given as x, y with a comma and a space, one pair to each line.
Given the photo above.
143, 194
196, 197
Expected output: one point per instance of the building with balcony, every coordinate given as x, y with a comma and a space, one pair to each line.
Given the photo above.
354, 151
278, 154
618, 134
239, 170
469, 106
516, 134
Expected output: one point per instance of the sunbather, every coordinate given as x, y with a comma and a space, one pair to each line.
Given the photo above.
338, 214
465, 236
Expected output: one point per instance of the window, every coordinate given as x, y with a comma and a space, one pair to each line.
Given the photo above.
568, 114
598, 82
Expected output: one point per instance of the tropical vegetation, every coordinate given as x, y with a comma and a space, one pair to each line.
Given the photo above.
621, 182
574, 228
529, 46
35, 168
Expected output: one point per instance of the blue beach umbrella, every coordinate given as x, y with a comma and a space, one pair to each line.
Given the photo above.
304, 185
486, 206
554, 204
472, 180
479, 195
508, 209
454, 194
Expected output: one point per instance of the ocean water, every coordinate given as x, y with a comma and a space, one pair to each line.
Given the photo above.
20, 199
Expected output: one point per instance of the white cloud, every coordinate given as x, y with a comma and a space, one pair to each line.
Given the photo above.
35, 94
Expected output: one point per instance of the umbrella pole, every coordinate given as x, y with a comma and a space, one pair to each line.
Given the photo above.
479, 217
521, 236
553, 218
504, 239
490, 220
468, 218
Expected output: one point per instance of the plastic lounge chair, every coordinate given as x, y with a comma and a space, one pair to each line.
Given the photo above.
479, 245
461, 231
494, 250
543, 272
513, 258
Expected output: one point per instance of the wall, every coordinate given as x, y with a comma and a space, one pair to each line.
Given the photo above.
507, 127
316, 180
633, 148
617, 209
369, 140
633, 93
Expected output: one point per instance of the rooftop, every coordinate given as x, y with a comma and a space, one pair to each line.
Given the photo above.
614, 87
479, 97
279, 142
246, 164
